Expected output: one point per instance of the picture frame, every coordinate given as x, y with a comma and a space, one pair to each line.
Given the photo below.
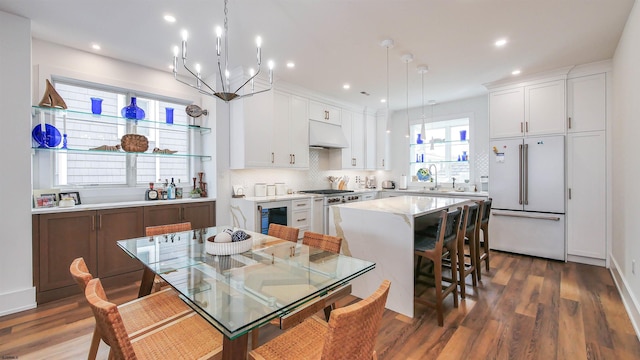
45, 201
75, 195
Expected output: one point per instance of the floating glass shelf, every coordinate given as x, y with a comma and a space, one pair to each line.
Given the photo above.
120, 153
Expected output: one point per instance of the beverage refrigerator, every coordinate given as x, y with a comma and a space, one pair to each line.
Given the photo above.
528, 191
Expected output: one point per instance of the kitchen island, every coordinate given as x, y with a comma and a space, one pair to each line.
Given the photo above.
382, 231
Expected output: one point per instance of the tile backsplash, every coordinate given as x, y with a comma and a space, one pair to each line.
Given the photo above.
316, 177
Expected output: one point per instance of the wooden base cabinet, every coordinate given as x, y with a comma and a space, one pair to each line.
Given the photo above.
60, 237
200, 214
88, 234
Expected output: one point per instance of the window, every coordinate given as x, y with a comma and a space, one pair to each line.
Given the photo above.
445, 146
78, 168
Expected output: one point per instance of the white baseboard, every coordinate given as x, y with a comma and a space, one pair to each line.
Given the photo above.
586, 260
629, 301
17, 301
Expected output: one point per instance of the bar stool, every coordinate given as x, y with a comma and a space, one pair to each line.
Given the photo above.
283, 232
470, 231
485, 211
432, 248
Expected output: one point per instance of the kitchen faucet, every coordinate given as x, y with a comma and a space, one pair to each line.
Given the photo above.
435, 171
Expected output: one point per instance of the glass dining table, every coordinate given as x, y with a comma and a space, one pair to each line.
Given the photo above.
238, 293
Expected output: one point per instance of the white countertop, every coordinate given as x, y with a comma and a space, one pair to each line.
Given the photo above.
261, 199
115, 205
407, 205
440, 192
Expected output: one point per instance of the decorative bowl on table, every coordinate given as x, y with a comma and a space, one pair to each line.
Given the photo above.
229, 247
423, 174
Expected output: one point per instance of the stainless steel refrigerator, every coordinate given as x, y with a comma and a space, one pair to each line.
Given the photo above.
526, 182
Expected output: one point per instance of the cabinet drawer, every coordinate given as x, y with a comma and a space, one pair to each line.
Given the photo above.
302, 204
301, 219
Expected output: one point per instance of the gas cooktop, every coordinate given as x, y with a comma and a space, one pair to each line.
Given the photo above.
326, 191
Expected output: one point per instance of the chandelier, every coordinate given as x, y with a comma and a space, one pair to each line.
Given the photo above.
226, 94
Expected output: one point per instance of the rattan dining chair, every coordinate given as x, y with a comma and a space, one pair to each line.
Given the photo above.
432, 248
188, 337
138, 316
350, 334
283, 232
322, 241
167, 229
158, 283
483, 255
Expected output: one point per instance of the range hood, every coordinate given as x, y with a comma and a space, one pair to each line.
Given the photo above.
327, 136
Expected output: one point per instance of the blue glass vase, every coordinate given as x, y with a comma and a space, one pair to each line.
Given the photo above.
419, 139
132, 111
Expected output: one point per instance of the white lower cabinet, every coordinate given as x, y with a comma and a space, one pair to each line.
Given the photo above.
317, 214
301, 215
586, 204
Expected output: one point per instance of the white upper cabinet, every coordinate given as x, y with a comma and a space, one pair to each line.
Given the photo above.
290, 144
506, 113
370, 145
269, 130
537, 109
251, 119
353, 128
324, 112
586, 103
544, 106
382, 138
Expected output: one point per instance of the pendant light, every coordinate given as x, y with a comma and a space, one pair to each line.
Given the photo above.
407, 58
431, 103
388, 44
423, 70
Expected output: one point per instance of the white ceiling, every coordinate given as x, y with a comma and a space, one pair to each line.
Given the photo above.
334, 42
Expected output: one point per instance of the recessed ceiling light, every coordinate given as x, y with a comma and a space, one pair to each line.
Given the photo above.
515, 72
291, 65
346, 86
169, 18
95, 47
383, 100
501, 42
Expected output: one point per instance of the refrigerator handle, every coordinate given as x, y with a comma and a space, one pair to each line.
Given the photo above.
520, 174
526, 174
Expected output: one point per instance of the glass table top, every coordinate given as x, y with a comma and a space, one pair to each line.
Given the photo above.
237, 293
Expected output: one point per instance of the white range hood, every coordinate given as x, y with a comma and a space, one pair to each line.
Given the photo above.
328, 136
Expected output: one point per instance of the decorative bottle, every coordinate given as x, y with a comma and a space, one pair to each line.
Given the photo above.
419, 139
132, 111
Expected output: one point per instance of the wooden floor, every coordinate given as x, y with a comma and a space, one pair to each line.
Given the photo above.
525, 308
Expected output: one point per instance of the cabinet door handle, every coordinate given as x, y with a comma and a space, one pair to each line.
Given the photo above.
318, 199
527, 126
272, 157
569, 193
303, 219
382, 162
569, 122
93, 222
100, 222
326, 114
301, 204
521, 129
294, 158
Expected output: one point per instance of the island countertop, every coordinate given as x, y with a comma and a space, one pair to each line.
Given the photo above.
407, 205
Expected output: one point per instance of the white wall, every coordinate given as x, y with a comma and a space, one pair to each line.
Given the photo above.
16, 284
626, 172
477, 107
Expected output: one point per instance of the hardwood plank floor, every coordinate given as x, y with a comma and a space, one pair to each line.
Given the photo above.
524, 308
